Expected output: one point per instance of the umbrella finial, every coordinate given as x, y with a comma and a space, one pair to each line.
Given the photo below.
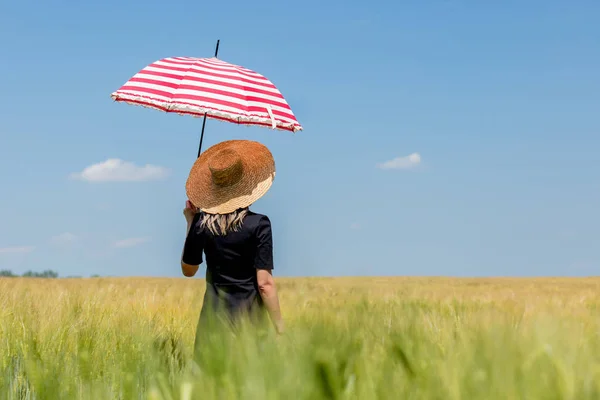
217, 49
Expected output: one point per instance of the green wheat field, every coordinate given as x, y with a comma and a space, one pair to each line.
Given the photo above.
347, 338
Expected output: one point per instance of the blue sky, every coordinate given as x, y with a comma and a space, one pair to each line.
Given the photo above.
498, 105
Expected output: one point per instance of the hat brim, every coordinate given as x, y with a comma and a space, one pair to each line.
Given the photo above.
258, 175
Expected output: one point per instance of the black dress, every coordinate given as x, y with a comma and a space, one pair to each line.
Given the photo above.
231, 264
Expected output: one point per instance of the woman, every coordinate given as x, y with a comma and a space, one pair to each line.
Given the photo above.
237, 243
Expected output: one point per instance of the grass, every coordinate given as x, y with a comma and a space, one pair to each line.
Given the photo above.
348, 338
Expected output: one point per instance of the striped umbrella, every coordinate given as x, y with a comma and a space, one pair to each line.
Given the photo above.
209, 87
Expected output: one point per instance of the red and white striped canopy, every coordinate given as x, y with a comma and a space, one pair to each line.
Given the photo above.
199, 86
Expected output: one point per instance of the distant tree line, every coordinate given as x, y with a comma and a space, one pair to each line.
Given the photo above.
30, 274
6, 273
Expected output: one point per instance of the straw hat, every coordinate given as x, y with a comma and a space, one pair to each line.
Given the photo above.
230, 175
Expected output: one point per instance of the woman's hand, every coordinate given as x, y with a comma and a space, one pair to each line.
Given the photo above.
189, 211
279, 327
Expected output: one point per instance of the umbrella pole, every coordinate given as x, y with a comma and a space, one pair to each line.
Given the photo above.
204, 121
202, 136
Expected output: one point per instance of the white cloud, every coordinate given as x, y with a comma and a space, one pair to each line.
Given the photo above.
405, 162
16, 250
131, 242
116, 170
64, 239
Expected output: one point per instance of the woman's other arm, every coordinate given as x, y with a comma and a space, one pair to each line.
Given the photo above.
268, 292
264, 265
